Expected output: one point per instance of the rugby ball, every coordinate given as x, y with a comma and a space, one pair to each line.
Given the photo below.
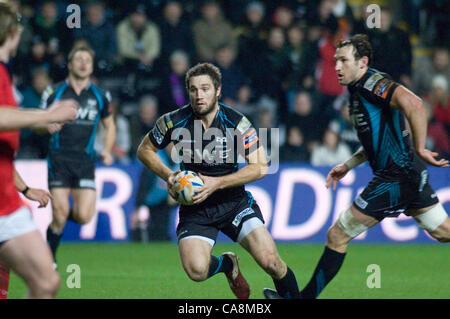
185, 185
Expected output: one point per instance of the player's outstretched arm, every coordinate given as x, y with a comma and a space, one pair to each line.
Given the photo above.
14, 119
414, 110
146, 153
35, 194
341, 170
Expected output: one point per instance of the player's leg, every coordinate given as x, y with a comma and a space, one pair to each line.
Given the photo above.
29, 256
60, 211
84, 200
350, 224
259, 243
195, 255
434, 220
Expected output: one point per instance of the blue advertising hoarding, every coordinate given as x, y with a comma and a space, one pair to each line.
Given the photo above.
294, 201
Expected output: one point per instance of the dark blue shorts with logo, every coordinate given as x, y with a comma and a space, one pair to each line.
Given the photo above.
227, 216
388, 196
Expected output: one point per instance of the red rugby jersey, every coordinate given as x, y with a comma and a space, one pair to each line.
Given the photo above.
9, 143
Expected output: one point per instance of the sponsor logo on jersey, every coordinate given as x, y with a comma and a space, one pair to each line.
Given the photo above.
382, 88
237, 220
244, 125
87, 183
361, 202
157, 135
372, 80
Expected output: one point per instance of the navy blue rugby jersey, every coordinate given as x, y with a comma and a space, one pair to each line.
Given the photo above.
217, 151
77, 137
381, 128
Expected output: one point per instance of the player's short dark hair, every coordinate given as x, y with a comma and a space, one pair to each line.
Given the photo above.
205, 69
78, 48
9, 20
361, 46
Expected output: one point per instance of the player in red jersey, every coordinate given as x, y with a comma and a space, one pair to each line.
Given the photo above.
22, 247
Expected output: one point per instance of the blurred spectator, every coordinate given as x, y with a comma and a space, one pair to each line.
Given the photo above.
297, 57
38, 58
243, 103
176, 34
32, 145
139, 42
52, 30
273, 76
439, 100
27, 34
427, 70
233, 79
283, 17
212, 31
152, 195
143, 122
252, 35
343, 126
100, 35
172, 92
331, 152
391, 49
294, 150
322, 15
438, 138
264, 122
308, 121
122, 142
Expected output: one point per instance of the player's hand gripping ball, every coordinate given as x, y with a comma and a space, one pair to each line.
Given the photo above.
185, 185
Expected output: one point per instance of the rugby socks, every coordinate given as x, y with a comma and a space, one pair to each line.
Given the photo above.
219, 264
328, 266
287, 286
53, 240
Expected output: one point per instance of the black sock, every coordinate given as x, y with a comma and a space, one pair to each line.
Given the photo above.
328, 266
53, 240
287, 286
219, 264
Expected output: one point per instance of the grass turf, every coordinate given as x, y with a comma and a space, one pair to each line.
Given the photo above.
130, 270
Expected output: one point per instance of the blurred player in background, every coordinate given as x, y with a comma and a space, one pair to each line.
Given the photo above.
71, 158
22, 247
222, 204
378, 107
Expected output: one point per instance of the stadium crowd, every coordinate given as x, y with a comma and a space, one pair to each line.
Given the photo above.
276, 59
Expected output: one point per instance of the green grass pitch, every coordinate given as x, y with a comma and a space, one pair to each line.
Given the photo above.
131, 270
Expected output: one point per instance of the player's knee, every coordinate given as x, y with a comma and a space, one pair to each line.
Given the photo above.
82, 219
196, 271
46, 287
272, 264
443, 234
335, 237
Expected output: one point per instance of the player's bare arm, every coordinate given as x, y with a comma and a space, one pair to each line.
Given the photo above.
110, 137
339, 171
412, 107
256, 169
35, 194
13, 119
146, 153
